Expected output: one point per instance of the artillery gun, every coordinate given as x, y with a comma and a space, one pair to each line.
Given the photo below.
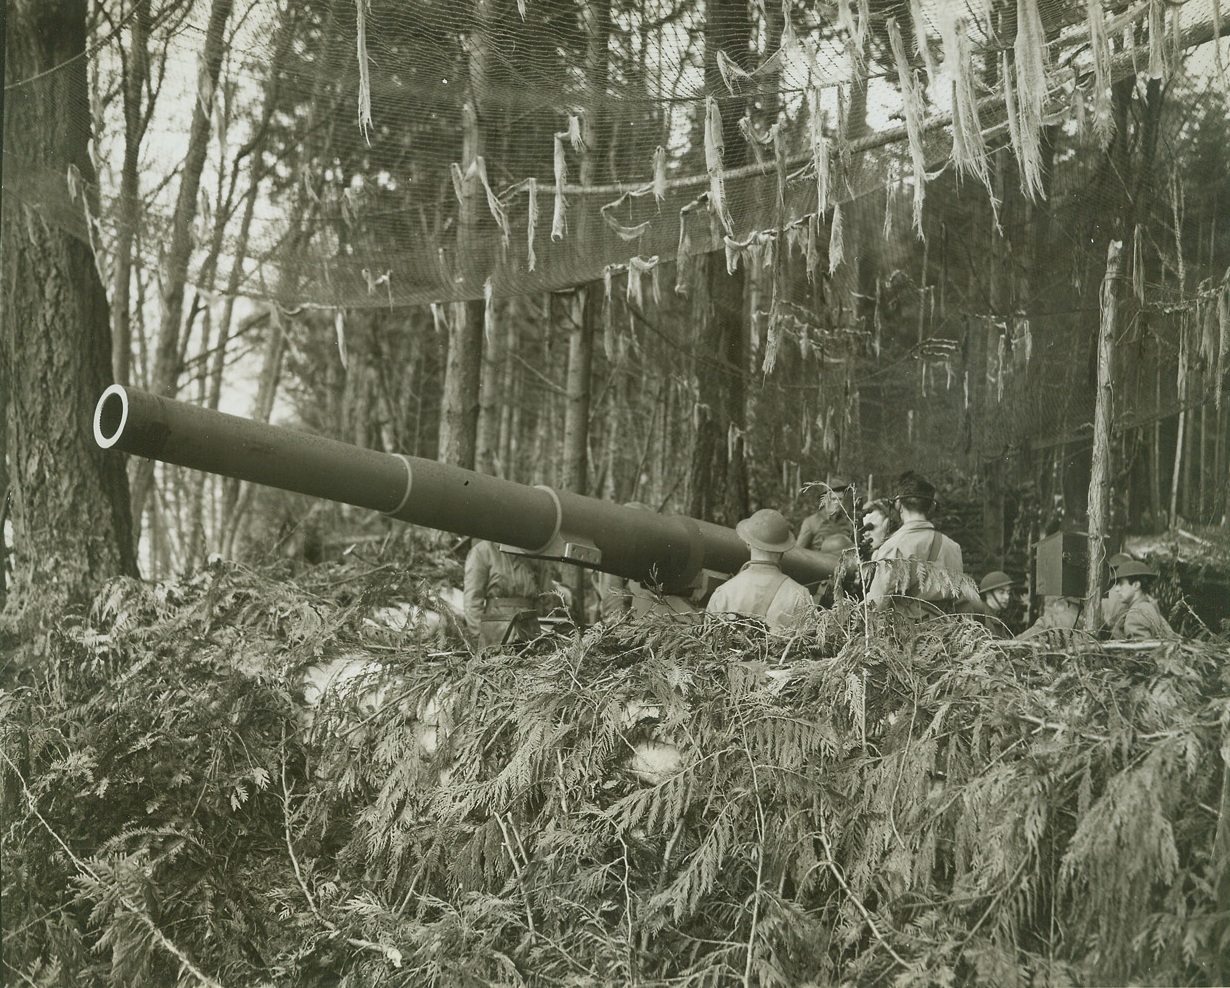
674, 552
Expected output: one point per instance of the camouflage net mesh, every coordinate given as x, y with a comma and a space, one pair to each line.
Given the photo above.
415, 154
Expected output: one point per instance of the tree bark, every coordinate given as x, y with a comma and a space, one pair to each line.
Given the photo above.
459, 403
459, 406
135, 121
492, 400
1099, 478
55, 358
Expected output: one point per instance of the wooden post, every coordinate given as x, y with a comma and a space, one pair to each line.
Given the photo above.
1099, 474
1181, 437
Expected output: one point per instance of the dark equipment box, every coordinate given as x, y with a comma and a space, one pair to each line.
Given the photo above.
1061, 564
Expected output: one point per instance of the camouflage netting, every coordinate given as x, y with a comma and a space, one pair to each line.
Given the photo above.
414, 154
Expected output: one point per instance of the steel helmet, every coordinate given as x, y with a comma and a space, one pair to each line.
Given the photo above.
837, 543
766, 530
995, 580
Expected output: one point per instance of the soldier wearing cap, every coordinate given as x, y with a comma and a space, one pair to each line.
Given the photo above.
1137, 613
760, 589
834, 515
1112, 606
929, 553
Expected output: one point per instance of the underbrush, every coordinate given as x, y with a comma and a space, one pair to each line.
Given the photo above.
648, 804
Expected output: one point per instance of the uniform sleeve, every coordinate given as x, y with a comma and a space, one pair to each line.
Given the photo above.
1112, 615
807, 533
1146, 623
881, 579
957, 566
717, 601
478, 571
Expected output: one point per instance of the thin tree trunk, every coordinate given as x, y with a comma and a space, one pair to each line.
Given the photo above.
236, 495
462, 378
1180, 438
4, 480
1099, 476
492, 401
1202, 510
1221, 460
130, 189
463, 368
586, 312
717, 476
504, 443
164, 377
1159, 507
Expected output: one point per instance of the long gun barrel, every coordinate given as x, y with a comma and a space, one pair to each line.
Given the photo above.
672, 551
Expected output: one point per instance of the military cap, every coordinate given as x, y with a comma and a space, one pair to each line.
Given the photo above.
1134, 569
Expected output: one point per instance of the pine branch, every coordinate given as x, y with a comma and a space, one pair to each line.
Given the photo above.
391, 954
871, 923
127, 903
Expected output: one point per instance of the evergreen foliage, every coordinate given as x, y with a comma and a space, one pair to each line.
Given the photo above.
648, 803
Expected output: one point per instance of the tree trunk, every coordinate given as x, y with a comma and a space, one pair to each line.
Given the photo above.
717, 477
164, 377
462, 379
506, 442
55, 358
586, 308
135, 122
236, 495
492, 400
1099, 478
463, 368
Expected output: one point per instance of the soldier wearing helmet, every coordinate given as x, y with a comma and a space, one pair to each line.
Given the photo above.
760, 589
998, 600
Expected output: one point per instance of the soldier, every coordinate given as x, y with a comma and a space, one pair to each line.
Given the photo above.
880, 520
1112, 604
1058, 614
760, 589
933, 559
503, 591
834, 515
617, 596
998, 600
1138, 614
